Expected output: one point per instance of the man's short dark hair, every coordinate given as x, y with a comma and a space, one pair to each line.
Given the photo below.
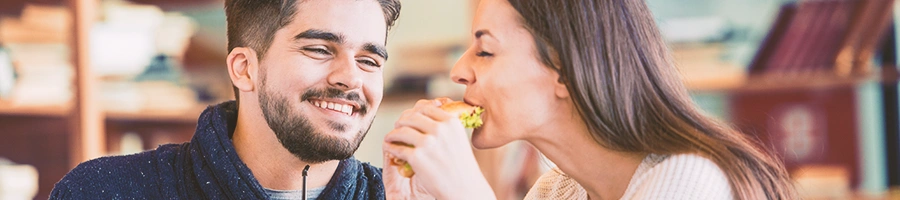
253, 23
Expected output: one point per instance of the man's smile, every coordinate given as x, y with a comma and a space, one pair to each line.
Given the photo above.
344, 107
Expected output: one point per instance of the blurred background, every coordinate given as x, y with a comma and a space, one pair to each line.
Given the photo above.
816, 81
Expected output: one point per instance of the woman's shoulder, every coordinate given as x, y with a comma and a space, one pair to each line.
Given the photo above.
678, 176
556, 185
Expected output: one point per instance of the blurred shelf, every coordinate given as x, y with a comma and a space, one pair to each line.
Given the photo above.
702, 68
788, 81
181, 116
711, 77
703, 71
892, 193
7, 108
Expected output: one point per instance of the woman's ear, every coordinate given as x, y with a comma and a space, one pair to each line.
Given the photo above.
242, 68
559, 86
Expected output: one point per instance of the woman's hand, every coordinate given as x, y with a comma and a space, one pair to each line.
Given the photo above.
435, 144
397, 187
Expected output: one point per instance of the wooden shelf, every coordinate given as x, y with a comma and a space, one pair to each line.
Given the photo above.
7, 108
808, 80
185, 116
189, 115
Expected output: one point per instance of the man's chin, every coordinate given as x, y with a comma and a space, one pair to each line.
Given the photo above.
336, 152
327, 147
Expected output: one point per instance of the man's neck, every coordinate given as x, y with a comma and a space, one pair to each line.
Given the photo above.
272, 164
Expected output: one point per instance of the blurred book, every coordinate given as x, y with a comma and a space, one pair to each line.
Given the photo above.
37, 24
805, 36
160, 88
7, 74
45, 74
701, 29
800, 100
17, 181
153, 96
37, 42
824, 35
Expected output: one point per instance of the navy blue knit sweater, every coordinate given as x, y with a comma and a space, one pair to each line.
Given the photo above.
207, 167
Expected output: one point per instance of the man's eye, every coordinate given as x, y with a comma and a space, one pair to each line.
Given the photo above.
368, 62
318, 51
483, 54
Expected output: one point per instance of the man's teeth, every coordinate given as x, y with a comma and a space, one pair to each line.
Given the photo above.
344, 108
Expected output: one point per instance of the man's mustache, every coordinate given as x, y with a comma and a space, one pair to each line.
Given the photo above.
334, 93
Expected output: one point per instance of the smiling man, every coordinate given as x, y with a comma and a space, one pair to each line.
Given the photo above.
308, 79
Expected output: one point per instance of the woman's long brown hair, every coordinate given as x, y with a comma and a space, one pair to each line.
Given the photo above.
622, 80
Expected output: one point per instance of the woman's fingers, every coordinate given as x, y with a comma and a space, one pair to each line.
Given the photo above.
419, 122
395, 185
436, 113
404, 115
427, 103
400, 151
444, 100
405, 135
389, 169
425, 117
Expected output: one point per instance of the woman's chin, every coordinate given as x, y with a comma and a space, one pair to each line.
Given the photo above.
482, 139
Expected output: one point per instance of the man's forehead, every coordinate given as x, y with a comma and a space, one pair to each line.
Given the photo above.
340, 39
358, 21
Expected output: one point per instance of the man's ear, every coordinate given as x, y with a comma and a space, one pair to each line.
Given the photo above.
243, 68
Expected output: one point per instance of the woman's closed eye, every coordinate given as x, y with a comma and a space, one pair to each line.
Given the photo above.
483, 54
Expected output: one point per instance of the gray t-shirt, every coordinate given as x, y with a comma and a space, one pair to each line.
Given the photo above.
311, 193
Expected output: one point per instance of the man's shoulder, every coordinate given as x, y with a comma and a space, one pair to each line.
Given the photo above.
369, 170
116, 176
362, 178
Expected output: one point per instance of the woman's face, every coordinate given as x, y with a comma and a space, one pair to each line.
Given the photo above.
504, 75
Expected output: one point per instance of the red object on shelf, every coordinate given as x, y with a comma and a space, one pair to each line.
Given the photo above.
804, 127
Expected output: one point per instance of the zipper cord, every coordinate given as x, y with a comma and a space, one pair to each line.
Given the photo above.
305, 169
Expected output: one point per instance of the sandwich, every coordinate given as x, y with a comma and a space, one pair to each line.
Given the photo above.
469, 115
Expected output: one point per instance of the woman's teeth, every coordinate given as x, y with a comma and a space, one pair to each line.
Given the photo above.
344, 108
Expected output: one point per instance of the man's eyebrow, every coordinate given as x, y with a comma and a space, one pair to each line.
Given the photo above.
376, 49
320, 35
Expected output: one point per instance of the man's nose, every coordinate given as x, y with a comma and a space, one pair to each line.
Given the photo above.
345, 74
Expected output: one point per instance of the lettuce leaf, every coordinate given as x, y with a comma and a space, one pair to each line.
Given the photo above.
472, 120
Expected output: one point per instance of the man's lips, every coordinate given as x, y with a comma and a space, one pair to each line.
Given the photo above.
337, 105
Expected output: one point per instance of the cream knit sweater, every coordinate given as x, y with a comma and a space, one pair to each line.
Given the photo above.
682, 176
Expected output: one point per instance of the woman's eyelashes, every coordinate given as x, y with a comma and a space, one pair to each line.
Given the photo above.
483, 54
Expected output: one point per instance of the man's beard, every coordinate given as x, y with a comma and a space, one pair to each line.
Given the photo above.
296, 133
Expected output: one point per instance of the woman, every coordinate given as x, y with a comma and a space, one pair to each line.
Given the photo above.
590, 84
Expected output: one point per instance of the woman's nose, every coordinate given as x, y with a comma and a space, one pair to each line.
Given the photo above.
462, 72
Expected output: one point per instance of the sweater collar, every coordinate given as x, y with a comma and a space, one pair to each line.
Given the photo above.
214, 157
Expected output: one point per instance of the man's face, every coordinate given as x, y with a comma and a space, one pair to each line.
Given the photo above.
321, 79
